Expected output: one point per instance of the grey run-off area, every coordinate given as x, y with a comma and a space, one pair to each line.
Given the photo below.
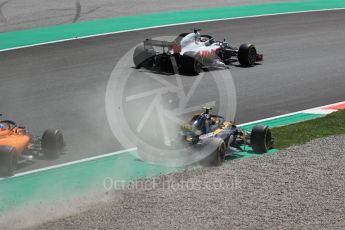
25, 14
299, 188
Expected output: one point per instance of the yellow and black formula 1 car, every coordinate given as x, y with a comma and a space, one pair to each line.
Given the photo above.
204, 128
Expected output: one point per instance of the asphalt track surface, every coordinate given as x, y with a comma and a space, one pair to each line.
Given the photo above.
63, 85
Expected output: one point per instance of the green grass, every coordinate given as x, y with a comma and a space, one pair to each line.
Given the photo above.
303, 132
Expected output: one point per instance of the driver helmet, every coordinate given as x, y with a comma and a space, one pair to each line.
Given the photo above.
2, 127
202, 124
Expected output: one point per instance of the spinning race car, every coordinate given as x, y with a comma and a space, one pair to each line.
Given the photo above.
18, 146
205, 127
189, 53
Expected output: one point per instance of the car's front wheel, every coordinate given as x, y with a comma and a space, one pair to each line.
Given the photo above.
52, 143
247, 55
261, 139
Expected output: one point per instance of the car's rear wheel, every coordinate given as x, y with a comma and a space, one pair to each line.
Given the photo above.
191, 63
261, 139
8, 161
247, 55
52, 143
164, 64
143, 57
217, 157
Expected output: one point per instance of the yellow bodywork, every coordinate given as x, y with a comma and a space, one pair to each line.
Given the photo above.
226, 124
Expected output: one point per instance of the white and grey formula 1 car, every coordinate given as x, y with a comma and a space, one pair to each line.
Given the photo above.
192, 52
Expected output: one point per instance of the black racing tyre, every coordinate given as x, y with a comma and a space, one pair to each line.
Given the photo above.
261, 139
217, 157
8, 161
52, 143
163, 63
191, 64
247, 55
143, 57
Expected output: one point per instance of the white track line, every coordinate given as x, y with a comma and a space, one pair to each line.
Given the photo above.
312, 110
168, 25
133, 149
72, 162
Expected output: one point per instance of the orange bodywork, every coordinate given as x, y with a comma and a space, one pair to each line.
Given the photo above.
17, 138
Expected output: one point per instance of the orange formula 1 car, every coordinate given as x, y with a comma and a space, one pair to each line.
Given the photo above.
17, 146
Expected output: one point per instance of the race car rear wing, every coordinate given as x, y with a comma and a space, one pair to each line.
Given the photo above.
148, 43
158, 43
